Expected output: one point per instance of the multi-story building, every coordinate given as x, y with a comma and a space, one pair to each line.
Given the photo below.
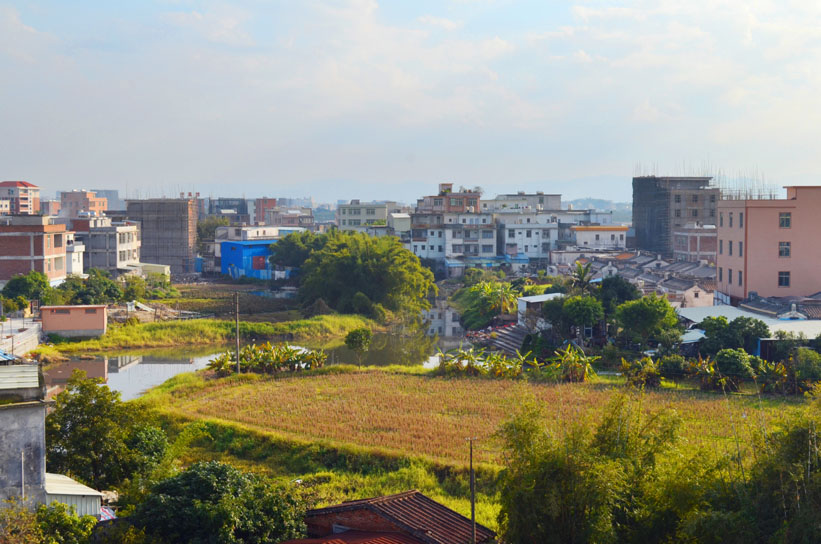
523, 201
286, 217
235, 209
455, 240
463, 201
50, 207
75, 250
261, 207
662, 205
5, 206
23, 197
112, 196
600, 236
358, 215
110, 246
77, 202
694, 243
529, 234
168, 231
32, 243
769, 246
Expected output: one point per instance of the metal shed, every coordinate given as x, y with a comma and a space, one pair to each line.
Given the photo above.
62, 489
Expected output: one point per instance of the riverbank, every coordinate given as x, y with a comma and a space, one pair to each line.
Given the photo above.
208, 332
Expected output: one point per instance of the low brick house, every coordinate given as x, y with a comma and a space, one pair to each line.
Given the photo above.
81, 321
405, 518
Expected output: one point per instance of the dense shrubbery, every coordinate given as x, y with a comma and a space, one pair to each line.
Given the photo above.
642, 373
568, 365
52, 524
268, 359
482, 301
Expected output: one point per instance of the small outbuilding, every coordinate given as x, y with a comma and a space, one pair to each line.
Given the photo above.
81, 321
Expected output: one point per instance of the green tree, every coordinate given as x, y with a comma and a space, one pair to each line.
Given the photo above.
615, 290
213, 502
380, 268
97, 288
60, 524
741, 332
134, 288
18, 524
581, 311
581, 278
646, 318
294, 249
93, 435
30, 286
206, 230
734, 364
358, 341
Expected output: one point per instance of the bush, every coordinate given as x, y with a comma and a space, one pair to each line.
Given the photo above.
735, 365
642, 374
60, 524
673, 367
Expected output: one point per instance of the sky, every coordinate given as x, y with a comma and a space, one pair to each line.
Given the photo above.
344, 99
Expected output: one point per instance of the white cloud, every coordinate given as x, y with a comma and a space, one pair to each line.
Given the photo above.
440, 22
222, 27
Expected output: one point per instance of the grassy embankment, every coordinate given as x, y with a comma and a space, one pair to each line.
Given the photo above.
375, 431
210, 332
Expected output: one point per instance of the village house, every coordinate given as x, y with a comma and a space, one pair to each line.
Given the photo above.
81, 321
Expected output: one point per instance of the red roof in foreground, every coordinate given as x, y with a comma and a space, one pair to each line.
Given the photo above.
359, 537
421, 517
17, 184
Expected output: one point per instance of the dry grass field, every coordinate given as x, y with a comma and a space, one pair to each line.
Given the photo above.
429, 417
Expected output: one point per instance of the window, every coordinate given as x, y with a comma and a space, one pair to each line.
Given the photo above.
721, 219
720, 274
785, 220
528, 233
783, 279
455, 201
721, 247
612, 237
527, 247
440, 248
437, 202
487, 249
370, 211
91, 310
729, 276
740, 249
62, 311
597, 237
695, 199
712, 212
740, 277
621, 236
695, 213
784, 249
511, 233
741, 219
439, 233
678, 213
730, 248
712, 198
731, 219
487, 234
677, 199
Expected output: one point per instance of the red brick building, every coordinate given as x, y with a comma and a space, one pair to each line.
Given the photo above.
32, 243
261, 207
23, 197
464, 201
405, 518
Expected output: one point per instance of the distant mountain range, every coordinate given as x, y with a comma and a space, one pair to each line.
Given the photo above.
622, 211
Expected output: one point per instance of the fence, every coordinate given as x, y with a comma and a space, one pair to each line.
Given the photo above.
23, 336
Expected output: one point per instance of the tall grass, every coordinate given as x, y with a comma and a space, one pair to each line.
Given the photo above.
213, 331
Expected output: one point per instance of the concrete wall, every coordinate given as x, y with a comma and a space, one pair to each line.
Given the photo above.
22, 429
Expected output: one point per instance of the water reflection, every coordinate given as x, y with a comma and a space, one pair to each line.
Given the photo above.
133, 372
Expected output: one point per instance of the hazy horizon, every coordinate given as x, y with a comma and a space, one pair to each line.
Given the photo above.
384, 100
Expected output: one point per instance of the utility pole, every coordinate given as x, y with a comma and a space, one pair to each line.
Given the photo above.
472, 494
236, 300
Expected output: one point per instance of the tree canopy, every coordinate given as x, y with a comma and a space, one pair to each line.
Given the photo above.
294, 249
385, 273
646, 318
614, 291
741, 332
212, 502
92, 435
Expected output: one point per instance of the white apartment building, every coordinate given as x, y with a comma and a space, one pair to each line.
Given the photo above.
522, 201
111, 246
533, 235
441, 236
600, 236
74, 255
358, 215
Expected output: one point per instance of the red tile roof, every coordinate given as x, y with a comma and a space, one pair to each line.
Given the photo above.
424, 518
17, 184
359, 537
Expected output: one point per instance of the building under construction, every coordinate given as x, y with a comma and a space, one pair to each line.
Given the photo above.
169, 231
662, 205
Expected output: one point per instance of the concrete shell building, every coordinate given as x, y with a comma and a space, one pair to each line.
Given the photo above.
168, 229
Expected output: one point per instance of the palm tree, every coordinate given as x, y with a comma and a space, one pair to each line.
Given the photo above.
581, 277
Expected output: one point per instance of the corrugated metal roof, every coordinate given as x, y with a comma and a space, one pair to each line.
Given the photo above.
4, 357
419, 515
57, 484
19, 376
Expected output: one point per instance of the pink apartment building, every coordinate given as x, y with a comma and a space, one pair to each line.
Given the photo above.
769, 247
